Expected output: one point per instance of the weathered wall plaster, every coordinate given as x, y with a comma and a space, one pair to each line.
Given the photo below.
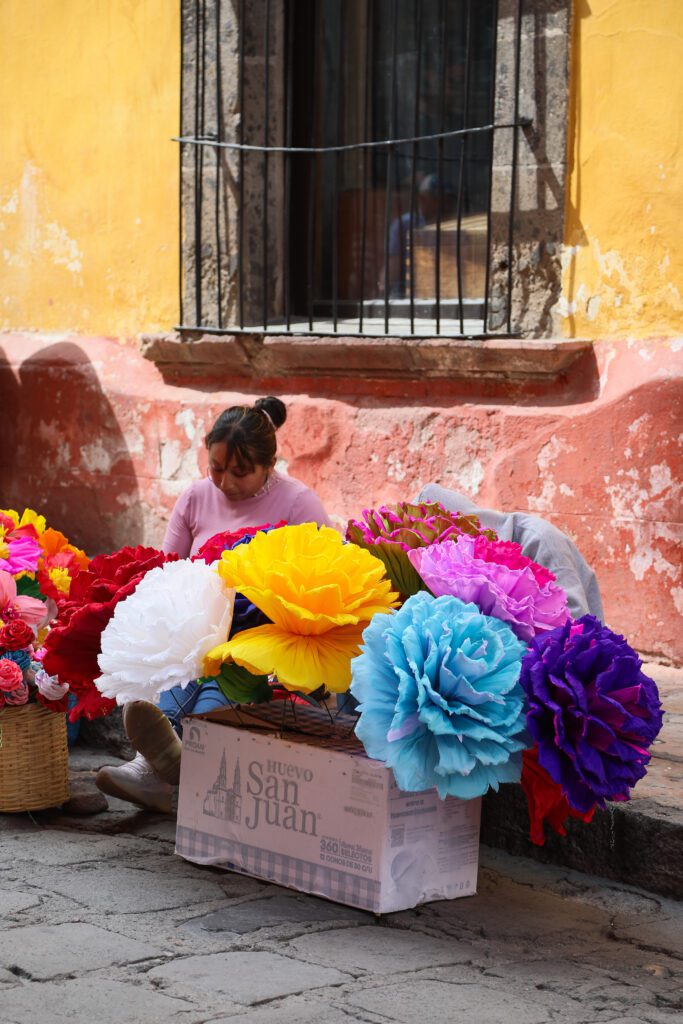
104, 446
89, 94
623, 261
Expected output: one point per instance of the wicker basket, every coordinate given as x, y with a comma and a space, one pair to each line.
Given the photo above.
34, 769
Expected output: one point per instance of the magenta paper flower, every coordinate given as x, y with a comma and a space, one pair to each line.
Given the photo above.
390, 532
506, 552
21, 554
513, 595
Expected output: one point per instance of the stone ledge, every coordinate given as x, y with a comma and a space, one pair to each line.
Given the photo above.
266, 357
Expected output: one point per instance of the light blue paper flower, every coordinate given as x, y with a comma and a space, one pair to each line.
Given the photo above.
440, 701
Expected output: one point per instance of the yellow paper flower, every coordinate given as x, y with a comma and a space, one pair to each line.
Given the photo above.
29, 517
61, 579
319, 594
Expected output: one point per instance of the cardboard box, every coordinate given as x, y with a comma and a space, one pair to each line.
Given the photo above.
309, 810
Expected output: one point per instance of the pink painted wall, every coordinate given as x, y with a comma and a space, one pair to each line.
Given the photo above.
96, 439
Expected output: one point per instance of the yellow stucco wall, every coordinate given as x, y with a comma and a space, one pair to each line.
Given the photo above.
89, 94
623, 274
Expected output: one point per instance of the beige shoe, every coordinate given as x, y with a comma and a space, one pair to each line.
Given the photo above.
152, 735
137, 783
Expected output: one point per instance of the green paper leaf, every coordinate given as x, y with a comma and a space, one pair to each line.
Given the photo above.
240, 686
27, 587
399, 569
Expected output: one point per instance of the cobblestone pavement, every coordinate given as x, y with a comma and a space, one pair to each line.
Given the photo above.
101, 922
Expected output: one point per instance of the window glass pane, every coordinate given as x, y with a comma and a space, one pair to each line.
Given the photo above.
383, 220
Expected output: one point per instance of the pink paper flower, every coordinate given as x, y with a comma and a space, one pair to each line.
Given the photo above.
511, 594
13, 606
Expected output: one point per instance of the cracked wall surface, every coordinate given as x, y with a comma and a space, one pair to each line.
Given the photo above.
116, 446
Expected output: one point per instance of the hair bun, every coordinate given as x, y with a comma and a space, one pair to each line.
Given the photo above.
274, 409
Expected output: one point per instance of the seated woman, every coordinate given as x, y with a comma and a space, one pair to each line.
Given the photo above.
242, 488
540, 540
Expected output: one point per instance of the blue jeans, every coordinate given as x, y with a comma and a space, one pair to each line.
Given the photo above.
193, 699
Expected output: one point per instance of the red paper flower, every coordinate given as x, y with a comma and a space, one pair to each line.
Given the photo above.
73, 644
213, 548
546, 800
16, 635
11, 676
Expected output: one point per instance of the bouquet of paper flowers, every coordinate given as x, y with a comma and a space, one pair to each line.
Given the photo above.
467, 666
37, 567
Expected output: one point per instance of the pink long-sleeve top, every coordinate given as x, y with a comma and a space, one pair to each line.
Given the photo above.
203, 510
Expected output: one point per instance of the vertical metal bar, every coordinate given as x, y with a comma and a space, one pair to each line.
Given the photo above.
337, 157
492, 115
366, 126
439, 163
266, 133
198, 164
312, 158
513, 169
416, 125
219, 137
181, 151
463, 152
289, 85
387, 203
240, 213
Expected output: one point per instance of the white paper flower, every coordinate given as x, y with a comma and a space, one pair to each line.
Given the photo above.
158, 636
49, 686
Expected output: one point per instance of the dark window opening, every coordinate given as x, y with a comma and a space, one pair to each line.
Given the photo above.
338, 176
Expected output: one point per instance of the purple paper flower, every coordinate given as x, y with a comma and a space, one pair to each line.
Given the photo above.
512, 594
592, 711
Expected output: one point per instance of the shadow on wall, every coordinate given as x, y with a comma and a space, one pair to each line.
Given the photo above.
64, 452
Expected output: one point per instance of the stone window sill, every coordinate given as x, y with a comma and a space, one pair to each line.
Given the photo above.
247, 357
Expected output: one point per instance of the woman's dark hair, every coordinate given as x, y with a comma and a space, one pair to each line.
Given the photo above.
249, 432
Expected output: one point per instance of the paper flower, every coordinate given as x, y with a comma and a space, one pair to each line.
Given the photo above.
440, 702
18, 606
591, 710
391, 531
16, 636
159, 636
511, 594
49, 687
507, 552
19, 554
28, 518
72, 646
545, 800
318, 592
212, 549
13, 689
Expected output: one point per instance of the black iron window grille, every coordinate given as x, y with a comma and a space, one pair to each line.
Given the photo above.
349, 168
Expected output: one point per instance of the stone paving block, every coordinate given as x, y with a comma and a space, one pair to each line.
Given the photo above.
93, 1000
43, 951
294, 1010
245, 977
503, 908
109, 886
435, 1002
53, 847
269, 912
12, 902
379, 950
660, 933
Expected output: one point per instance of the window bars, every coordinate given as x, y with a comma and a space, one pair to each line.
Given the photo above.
352, 168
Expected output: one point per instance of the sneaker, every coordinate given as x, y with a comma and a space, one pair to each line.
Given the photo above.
151, 734
138, 783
